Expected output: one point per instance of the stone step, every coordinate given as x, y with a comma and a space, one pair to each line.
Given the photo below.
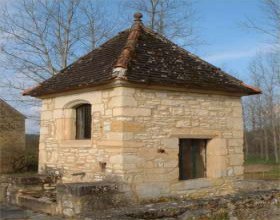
42, 204
32, 180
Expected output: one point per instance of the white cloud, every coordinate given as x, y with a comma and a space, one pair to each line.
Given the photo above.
241, 53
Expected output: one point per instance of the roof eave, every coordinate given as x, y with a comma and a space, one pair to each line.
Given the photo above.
254, 90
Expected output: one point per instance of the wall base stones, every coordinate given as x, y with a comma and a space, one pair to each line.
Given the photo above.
76, 198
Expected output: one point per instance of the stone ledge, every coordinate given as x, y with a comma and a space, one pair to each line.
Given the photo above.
39, 205
30, 180
82, 189
191, 184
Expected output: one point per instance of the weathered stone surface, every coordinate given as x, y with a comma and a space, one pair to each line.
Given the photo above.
35, 204
126, 126
81, 189
250, 205
191, 184
3, 192
135, 137
236, 159
120, 101
77, 198
131, 111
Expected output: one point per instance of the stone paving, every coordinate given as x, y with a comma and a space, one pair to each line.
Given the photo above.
9, 212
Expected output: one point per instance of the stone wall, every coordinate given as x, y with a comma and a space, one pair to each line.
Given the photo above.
80, 160
155, 120
130, 126
12, 137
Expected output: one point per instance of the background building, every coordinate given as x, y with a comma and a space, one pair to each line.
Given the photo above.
12, 137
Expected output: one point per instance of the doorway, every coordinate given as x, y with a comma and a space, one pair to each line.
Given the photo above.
192, 158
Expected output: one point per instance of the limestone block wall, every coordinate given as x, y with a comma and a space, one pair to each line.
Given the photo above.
12, 137
130, 125
82, 160
157, 119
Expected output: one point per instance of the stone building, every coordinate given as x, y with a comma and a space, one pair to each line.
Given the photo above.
12, 136
144, 112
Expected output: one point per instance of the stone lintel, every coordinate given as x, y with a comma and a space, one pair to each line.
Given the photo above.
194, 136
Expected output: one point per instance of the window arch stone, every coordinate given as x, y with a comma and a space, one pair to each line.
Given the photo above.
69, 112
75, 103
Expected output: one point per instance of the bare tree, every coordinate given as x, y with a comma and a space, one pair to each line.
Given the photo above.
42, 37
38, 38
173, 18
270, 25
264, 123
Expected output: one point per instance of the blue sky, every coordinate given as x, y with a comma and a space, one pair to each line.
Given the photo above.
228, 44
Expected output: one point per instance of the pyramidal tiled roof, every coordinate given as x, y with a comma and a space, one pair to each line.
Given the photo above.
141, 56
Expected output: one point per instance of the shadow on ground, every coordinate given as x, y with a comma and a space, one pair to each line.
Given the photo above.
9, 212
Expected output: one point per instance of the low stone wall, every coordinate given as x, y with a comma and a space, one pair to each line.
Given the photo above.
250, 205
4, 183
39, 193
238, 206
76, 198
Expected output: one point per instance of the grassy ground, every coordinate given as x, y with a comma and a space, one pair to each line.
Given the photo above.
256, 168
257, 160
273, 174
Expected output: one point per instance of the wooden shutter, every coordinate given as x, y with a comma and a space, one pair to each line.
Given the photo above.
192, 158
83, 121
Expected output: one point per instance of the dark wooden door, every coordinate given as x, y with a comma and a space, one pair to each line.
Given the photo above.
192, 158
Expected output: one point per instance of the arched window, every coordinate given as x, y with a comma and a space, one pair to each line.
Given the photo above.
83, 121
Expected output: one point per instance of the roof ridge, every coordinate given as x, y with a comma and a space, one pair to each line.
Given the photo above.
90, 52
129, 48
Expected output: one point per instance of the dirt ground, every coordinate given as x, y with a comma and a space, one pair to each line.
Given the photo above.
254, 168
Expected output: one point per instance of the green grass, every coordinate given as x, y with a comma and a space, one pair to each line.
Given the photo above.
275, 171
257, 160
273, 174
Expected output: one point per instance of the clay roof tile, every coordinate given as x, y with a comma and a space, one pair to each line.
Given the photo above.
146, 58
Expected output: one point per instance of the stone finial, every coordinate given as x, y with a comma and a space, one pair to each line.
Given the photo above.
138, 16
